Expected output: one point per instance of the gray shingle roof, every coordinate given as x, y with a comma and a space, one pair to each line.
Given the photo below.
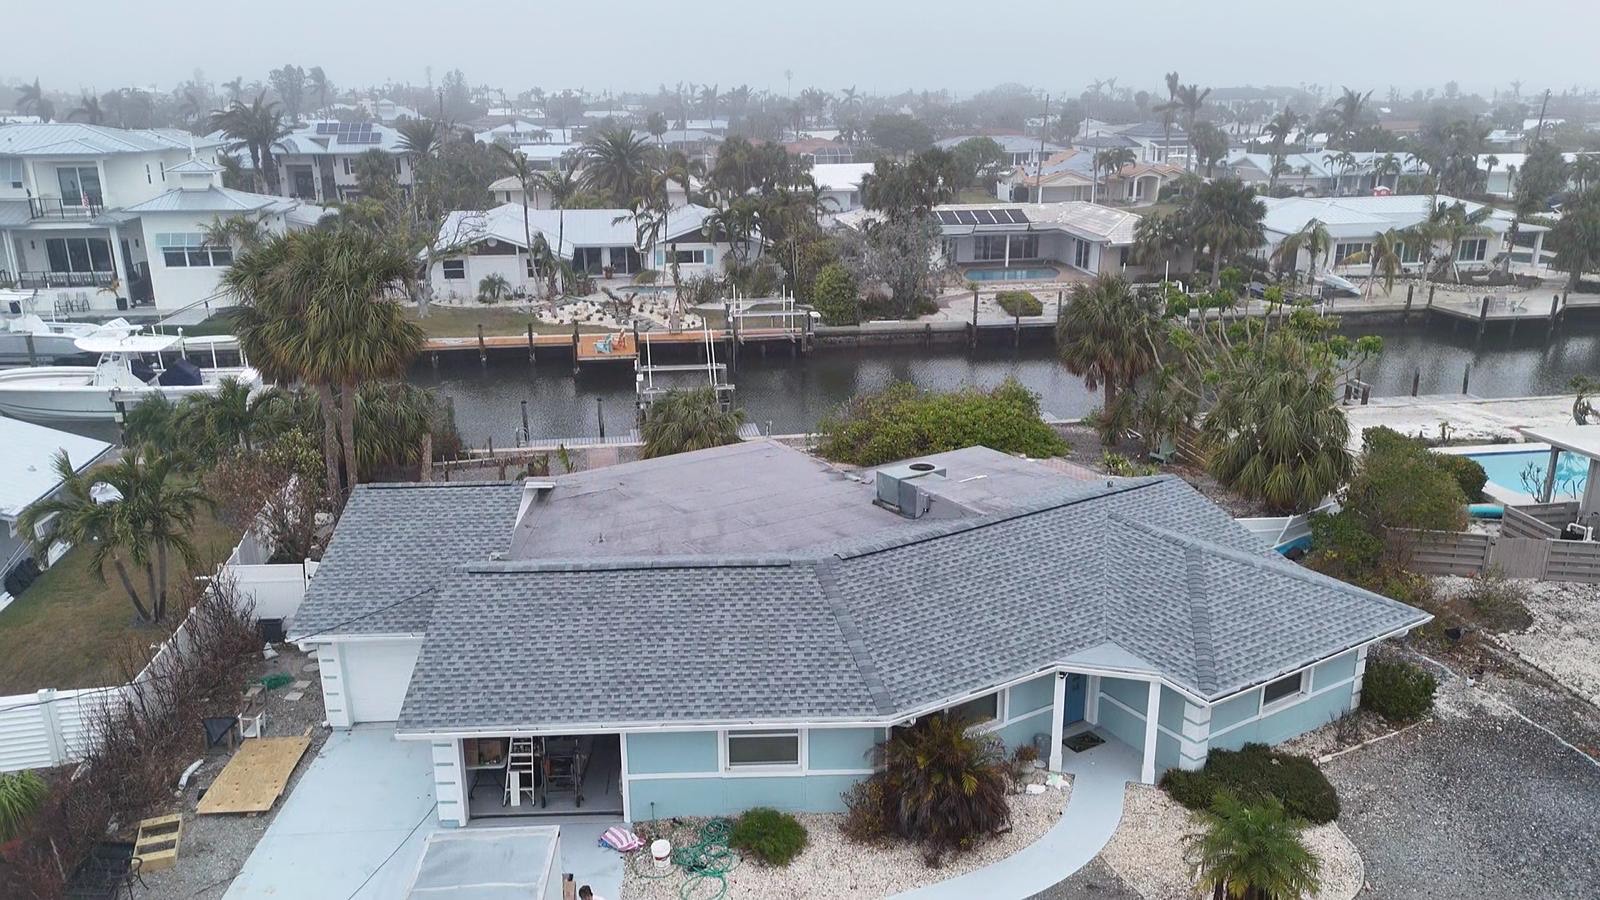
1146, 571
396, 540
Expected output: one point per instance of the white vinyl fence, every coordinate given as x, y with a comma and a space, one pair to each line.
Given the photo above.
49, 727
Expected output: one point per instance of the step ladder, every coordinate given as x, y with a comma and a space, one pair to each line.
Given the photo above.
520, 776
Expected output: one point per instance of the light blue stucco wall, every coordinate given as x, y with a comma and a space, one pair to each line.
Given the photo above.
704, 792
842, 748
1031, 695
672, 751
1334, 670
1170, 715
1016, 734
1232, 712
1289, 722
1167, 748
1125, 727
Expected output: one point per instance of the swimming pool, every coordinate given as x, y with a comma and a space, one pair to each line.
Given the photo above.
1035, 273
1519, 469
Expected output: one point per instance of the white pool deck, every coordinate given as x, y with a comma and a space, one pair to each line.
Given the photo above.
354, 826
1469, 417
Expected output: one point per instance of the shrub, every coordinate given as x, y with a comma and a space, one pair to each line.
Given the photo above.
1254, 771
1396, 690
1342, 546
1406, 487
866, 812
944, 786
1019, 303
1191, 790
835, 296
1467, 472
1117, 464
1022, 760
901, 421
1499, 603
21, 795
772, 837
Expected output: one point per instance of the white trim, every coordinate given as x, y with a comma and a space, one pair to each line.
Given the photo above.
741, 773
625, 780
1002, 709
1152, 722
1300, 698
1287, 700
1058, 706
801, 736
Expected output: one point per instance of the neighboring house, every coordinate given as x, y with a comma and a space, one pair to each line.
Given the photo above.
27, 476
840, 183
95, 218
388, 112
1069, 176
1326, 174
1150, 141
822, 151
1020, 149
317, 161
509, 132
694, 143
474, 245
1353, 222
1500, 179
739, 626
1084, 237
507, 189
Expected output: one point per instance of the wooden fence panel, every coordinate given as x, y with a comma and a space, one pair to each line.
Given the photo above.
1554, 515
1443, 552
1519, 523
1574, 561
1520, 557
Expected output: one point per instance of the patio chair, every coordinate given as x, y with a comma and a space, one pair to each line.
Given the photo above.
109, 869
221, 729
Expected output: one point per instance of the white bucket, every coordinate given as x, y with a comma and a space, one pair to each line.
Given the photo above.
661, 853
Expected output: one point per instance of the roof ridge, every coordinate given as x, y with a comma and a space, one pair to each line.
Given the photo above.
958, 526
624, 563
854, 642
1259, 561
1205, 650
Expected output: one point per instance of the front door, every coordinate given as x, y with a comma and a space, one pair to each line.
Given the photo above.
1077, 695
305, 183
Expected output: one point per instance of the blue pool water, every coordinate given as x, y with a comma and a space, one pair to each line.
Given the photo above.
1029, 274
1506, 469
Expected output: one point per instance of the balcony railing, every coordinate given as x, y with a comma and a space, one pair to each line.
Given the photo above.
56, 208
45, 280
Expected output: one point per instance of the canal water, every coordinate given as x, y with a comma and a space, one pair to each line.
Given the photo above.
788, 394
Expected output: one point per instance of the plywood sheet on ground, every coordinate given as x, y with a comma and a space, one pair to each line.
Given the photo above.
254, 779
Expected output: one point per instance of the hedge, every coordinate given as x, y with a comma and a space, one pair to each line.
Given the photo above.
1019, 303
1396, 690
900, 422
772, 837
1257, 770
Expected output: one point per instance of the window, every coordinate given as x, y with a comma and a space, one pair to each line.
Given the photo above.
763, 748
78, 254
11, 171
1408, 255
189, 250
79, 184
348, 168
1025, 246
978, 710
147, 177
1346, 254
693, 257
455, 269
989, 247
1472, 250
1080, 253
1283, 691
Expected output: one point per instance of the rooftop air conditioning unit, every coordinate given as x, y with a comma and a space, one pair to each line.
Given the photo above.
897, 488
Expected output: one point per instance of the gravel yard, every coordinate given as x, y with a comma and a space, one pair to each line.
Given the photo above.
831, 867
1564, 641
215, 847
1477, 802
1147, 852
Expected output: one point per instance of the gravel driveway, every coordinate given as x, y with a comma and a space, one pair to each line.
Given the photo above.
1095, 881
1476, 803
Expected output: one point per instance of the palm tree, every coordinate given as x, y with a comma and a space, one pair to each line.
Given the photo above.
150, 510
1192, 98
1387, 164
1313, 237
616, 164
656, 123
1489, 162
317, 307
1252, 852
1348, 109
681, 421
420, 137
321, 85
517, 165
945, 782
1344, 161
1385, 262
88, 111
1226, 216
1457, 225
1281, 126
256, 127
1112, 159
31, 99
562, 187
1104, 335
1586, 171
21, 795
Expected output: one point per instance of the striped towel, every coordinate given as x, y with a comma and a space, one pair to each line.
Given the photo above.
621, 839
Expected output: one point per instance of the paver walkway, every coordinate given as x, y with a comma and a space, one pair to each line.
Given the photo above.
1099, 780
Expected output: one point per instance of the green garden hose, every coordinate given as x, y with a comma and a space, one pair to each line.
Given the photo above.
705, 863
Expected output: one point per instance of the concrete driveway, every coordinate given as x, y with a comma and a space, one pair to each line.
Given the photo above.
355, 824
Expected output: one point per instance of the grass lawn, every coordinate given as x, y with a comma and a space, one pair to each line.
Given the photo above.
976, 195
67, 630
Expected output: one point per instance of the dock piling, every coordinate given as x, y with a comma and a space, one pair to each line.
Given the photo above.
532, 357
1466, 377
600, 415
483, 351
527, 436
1405, 314
1416, 381
1483, 316
575, 348
1550, 321
1016, 327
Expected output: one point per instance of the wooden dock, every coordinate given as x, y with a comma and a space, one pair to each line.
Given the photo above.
1483, 310
607, 346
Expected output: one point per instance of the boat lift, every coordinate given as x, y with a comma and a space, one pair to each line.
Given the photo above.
647, 391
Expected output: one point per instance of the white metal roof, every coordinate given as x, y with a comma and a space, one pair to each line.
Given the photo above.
27, 473
1090, 220
212, 199
1583, 440
1367, 216
77, 139
839, 176
126, 343
574, 227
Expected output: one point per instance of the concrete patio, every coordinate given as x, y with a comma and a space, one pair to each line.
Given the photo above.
355, 825
1100, 777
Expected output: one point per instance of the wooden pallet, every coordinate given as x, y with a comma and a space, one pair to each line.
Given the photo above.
156, 847
254, 779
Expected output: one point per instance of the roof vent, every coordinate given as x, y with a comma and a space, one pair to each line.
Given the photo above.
897, 488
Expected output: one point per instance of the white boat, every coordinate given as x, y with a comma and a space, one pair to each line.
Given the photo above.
50, 340
131, 367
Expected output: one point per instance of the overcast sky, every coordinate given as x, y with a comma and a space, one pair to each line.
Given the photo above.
877, 45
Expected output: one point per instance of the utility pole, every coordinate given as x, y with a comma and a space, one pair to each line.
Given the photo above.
1038, 171
1538, 133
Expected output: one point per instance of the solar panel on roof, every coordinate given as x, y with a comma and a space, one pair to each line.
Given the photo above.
966, 217
983, 216
948, 218
1017, 216
327, 128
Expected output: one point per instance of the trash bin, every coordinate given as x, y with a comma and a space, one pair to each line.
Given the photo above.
122, 304
661, 853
